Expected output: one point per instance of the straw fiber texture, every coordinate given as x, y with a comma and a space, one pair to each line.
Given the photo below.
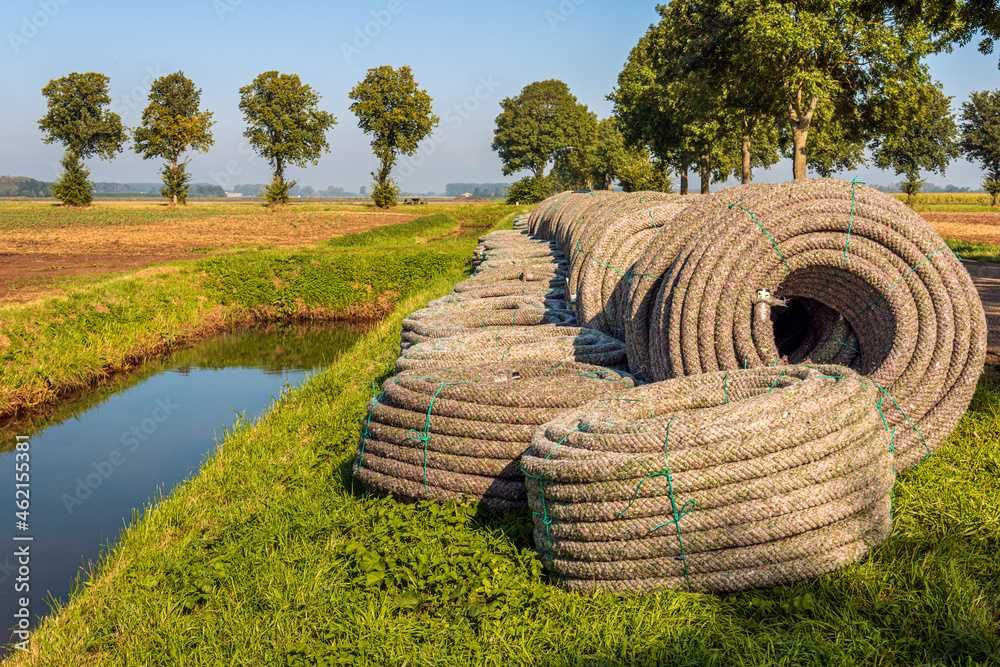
543, 343
451, 433
715, 482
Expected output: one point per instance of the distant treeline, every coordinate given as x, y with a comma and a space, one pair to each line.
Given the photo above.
484, 190
928, 187
257, 189
22, 186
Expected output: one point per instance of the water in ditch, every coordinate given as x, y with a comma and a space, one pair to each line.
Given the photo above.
99, 458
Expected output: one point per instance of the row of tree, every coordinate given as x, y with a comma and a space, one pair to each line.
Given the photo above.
723, 88
284, 125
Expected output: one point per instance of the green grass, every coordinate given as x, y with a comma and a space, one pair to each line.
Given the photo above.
977, 250
270, 555
65, 343
952, 202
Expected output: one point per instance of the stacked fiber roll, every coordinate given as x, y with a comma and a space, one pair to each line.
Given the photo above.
459, 432
715, 482
517, 282
479, 371
546, 343
607, 272
822, 272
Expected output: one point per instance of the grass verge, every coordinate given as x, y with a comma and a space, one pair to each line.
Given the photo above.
977, 250
271, 556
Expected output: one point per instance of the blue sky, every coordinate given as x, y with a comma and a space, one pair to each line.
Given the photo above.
467, 55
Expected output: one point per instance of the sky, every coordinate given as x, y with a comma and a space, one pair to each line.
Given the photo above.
467, 55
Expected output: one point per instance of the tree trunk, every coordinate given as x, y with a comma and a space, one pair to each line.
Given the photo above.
799, 160
801, 121
705, 173
684, 180
746, 173
173, 195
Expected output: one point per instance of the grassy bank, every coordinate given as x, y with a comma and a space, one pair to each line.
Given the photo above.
981, 252
57, 346
271, 556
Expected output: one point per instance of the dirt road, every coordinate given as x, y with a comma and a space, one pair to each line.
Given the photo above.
987, 279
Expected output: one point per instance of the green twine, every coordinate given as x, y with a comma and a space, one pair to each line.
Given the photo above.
366, 431
776, 380
850, 223
677, 512
909, 420
762, 229
543, 516
424, 438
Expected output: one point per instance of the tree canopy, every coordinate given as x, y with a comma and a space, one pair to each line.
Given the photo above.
980, 127
534, 127
285, 126
172, 124
398, 115
727, 86
926, 140
79, 117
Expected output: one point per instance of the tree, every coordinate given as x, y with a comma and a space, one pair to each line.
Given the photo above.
398, 115
980, 127
78, 117
637, 171
826, 55
534, 127
668, 103
285, 126
532, 189
577, 167
172, 124
925, 137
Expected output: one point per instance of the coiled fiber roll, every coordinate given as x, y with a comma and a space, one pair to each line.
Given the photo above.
457, 318
451, 433
585, 233
546, 343
714, 482
502, 288
607, 272
834, 249
574, 211
544, 212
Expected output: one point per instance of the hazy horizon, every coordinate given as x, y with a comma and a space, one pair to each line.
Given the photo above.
453, 49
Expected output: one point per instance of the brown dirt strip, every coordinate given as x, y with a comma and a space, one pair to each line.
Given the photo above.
33, 262
984, 227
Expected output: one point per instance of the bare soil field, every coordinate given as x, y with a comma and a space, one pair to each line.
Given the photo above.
36, 259
983, 227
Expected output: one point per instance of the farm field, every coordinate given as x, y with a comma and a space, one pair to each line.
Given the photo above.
45, 248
